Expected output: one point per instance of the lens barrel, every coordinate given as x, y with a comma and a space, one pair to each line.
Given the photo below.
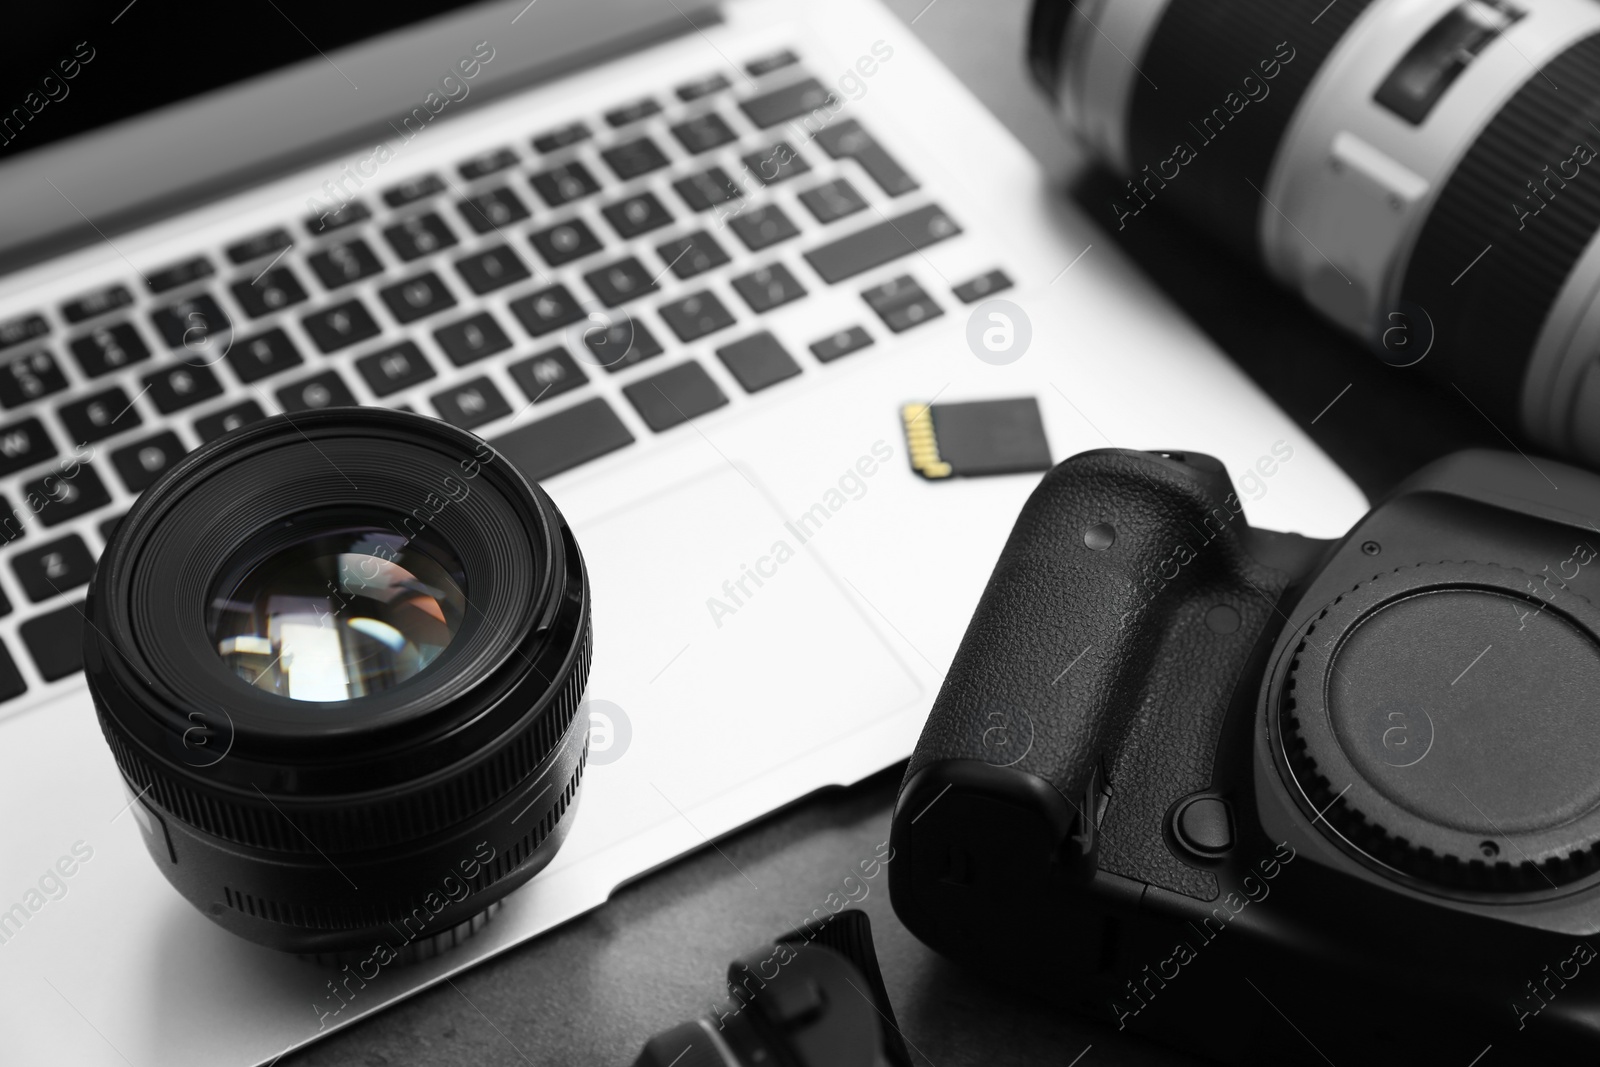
1417, 171
409, 750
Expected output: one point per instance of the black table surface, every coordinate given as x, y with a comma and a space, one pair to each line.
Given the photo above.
592, 991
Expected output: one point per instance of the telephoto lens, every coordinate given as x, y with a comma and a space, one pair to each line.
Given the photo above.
338, 657
1418, 170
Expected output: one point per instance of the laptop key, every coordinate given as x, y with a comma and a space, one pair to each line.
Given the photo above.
325, 390
564, 137
99, 415
259, 246
758, 361
622, 344
190, 270
392, 369
60, 496
776, 163
768, 64
632, 158
901, 303
109, 348
786, 102
11, 528
833, 201
692, 254
763, 227
344, 263
98, 302
54, 567
548, 374
55, 641
564, 440
264, 354
21, 329
620, 282
230, 418
491, 210
346, 214
340, 326
564, 184
848, 140
108, 527
142, 462
674, 396
702, 87
631, 113
421, 235
491, 269
22, 444
27, 378
881, 243
565, 242
695, 316
546, 310
175, 388
636, 215
842, 343
488, 163
191, 323
769, 287
417, 298
993, 282
472, 339
703, 133
270, 291
11, 683
413, 189
471, 404
707, 189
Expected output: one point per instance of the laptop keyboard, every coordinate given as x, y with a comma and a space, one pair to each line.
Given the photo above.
588, 248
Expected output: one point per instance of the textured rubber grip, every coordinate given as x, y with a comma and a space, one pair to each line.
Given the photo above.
1509, 226
1122, 658
1192, 91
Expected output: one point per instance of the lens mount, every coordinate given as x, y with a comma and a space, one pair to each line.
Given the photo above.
1466, 779
409, 748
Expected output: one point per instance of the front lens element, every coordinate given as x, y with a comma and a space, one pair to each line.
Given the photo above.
337, 614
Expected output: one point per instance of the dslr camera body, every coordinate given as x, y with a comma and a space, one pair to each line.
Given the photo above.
1274, 799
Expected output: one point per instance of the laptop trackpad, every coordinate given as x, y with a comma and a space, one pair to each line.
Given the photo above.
730, 647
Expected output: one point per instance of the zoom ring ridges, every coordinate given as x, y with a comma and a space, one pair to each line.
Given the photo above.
358, 827
321, 918
1486, 273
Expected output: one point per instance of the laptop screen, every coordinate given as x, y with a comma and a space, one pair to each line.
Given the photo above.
70, 67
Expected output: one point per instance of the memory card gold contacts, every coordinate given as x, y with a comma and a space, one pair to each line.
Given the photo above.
975, 438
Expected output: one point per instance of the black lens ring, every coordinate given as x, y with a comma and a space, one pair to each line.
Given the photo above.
176, 554
1487, 276
1200, 52
501, 729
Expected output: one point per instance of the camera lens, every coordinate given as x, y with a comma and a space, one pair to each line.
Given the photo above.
340, 611
1418, 172
338, 658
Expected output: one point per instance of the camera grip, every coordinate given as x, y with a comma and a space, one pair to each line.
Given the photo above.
1124, 605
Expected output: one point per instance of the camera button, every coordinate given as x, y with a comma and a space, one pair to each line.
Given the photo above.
1204, 826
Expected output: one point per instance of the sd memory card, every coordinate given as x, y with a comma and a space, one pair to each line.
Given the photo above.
975, 438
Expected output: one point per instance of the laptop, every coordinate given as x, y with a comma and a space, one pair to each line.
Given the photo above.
790, 217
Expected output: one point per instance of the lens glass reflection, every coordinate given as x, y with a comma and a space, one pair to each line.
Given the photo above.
339, 614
